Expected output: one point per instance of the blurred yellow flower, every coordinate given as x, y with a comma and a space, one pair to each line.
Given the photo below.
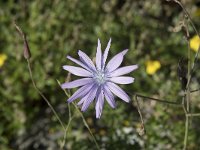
152, 66
194, 43
3, 58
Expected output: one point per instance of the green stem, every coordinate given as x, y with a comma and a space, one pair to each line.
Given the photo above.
83, 118
50, 106
186, 132
186, 124
69, 122
42, 95
65, 135
87, 126
141, 118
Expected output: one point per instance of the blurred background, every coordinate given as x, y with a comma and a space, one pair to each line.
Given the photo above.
57, 28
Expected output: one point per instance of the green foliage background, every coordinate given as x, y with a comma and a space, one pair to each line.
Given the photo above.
58, 28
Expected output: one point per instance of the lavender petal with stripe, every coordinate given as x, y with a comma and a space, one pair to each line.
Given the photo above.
99, 81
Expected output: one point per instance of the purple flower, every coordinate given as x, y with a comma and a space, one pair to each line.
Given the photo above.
99, 81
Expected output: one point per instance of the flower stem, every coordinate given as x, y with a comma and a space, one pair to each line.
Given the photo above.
65, 135
50, 106
83, 118
141, 118
42, 95
87, 126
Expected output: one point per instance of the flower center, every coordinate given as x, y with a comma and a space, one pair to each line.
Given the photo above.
100, 77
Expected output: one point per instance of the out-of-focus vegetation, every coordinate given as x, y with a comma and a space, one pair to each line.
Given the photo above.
58, 28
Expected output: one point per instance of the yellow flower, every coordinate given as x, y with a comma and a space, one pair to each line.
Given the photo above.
195, 43
3, 58
152, 66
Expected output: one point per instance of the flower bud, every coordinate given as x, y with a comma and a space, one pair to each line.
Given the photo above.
27, 53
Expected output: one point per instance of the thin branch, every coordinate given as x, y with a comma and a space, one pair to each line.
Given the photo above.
183, 106
69, 122
42, 95
190, 73
27, 56
187, 97
87, 126
65, 135
192, 91
50, 106
186, 133
158, 100
196, 90
193, 26
143, 131
194, 115
186, 124
189, 70
83, 118
20, 31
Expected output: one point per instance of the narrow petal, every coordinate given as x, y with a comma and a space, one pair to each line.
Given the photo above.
86, 97
77, 71
99, 56
86, 60
109, 97
116, 61
99, 104
76, 83
123, 70
80, 92
105, 55
78, 62
83, 99
118, 91
122, 80
90, 98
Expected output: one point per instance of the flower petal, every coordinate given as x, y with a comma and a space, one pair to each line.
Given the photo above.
105, 55
90, 98
78, 62
118, 91
76, 83
84, 98
122, 80
99, 104
99, 56
123, 70
86, 60
77, 71
116, 61
109, 97
80, 92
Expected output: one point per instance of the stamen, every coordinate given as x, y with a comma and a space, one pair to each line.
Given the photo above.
100, 77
